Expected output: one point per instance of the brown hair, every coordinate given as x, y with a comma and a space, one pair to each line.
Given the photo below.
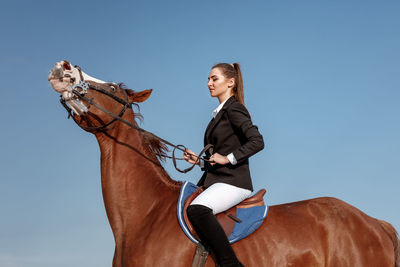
233, 71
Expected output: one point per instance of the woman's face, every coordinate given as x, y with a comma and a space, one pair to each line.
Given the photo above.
219, 85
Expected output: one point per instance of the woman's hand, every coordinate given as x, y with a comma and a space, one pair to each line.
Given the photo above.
218, 158
190, 156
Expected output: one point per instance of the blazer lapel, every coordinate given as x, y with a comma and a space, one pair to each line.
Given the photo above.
217, 118
205, 133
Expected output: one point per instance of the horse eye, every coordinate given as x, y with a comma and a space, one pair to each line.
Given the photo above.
113, 88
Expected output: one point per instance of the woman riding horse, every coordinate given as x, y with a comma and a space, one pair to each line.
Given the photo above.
141, 199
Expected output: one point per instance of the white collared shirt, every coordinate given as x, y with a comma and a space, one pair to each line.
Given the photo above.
215, 111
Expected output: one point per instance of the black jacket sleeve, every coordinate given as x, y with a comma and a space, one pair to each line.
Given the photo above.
241, 122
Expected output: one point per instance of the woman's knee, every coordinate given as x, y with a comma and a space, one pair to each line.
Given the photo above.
196, 211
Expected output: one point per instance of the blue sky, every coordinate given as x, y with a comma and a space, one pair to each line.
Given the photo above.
321, 82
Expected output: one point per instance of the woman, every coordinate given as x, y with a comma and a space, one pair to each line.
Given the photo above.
226, 173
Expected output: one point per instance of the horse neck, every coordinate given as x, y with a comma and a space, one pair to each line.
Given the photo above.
133, 181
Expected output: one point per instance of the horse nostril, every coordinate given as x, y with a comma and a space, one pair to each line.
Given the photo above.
66, 66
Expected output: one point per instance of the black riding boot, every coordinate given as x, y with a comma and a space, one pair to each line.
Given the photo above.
212, 235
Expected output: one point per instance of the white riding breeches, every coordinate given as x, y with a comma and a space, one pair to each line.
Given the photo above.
220, 197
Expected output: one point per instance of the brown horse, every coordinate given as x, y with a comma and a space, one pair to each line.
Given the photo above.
140, 200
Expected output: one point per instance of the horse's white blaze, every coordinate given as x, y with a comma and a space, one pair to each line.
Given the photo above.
90, 78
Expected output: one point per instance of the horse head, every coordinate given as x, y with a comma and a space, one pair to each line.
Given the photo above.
88, 100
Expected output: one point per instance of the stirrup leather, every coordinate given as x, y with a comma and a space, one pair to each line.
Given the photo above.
200, 256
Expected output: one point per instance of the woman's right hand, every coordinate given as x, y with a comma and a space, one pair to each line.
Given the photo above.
190, 156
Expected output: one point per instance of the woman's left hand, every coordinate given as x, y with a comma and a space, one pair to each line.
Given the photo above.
218, 158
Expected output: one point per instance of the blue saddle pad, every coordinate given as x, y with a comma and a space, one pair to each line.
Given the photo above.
251, 218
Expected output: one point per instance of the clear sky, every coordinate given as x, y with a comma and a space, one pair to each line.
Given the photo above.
321, 82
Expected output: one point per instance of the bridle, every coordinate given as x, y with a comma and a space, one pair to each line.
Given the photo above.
84, 86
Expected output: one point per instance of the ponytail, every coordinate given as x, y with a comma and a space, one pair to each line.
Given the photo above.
238, 89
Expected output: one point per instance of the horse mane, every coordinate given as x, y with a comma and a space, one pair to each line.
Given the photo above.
154, 145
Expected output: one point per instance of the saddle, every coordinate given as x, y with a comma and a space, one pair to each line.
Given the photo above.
228, 218
237, 222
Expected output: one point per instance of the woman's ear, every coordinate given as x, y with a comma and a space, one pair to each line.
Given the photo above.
138, 97
231, 82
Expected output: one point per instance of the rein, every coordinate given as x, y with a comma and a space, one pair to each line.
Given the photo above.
126, 104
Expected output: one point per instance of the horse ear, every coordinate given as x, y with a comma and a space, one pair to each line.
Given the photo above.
138, 97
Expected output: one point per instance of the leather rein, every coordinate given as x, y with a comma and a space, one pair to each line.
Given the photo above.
85, 86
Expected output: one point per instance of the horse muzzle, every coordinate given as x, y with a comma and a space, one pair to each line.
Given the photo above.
64, 78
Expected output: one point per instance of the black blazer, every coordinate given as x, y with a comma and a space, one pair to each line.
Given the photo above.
231, 131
